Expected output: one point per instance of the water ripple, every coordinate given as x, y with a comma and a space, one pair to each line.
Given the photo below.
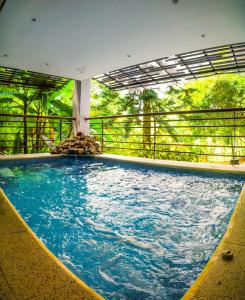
129, 231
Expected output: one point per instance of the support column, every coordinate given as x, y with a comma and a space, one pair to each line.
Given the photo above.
76, 106
85, 106
81, 106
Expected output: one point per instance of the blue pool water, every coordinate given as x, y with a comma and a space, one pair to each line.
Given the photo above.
128, 231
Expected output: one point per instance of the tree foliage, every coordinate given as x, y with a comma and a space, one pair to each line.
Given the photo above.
222, 91
25, 133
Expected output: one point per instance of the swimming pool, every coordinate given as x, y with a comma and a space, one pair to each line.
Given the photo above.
129, 231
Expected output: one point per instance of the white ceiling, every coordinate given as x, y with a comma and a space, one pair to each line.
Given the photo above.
82, 38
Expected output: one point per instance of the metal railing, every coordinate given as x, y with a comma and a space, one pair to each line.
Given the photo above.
32, 134
197, 135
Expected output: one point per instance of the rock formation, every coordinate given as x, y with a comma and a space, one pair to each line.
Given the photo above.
79, 145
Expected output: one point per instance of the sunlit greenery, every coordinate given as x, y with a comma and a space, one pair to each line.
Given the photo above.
223, 91
24, 134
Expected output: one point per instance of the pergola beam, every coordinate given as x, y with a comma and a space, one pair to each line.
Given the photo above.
190, 65
16, 77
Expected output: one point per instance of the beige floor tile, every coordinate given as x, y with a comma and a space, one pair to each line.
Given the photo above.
8, 221
237, 235
226, 280
5, 291
73, 292
28, 269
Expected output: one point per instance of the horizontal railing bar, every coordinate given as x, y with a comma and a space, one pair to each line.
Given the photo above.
28, 127
180, 135
202, 119
175, 126
12, 140
37, 117
183, 145
12, 133
174, 120
219, 110
34, 121
186, 152
21, 147
12, 121
9, 133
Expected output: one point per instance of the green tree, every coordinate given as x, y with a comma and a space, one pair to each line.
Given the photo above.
22, 100
35, 102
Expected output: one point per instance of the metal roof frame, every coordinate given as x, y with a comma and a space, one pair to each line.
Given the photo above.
16, 77
185, 66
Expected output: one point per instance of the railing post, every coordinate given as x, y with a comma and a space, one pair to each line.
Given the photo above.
235, 160
60, 129
102, 136
25, 135
155, 136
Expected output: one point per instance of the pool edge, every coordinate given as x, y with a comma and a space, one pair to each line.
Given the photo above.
27, 156
210, 167
84, 287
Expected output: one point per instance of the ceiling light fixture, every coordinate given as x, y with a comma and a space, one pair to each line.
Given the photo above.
81, 70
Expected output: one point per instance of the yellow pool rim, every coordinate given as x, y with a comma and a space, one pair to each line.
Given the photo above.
83, 285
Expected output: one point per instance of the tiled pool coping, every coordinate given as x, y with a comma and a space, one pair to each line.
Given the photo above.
28, 270
178, 164
213, 167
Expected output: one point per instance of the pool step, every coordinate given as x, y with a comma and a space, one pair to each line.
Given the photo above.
6, 173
